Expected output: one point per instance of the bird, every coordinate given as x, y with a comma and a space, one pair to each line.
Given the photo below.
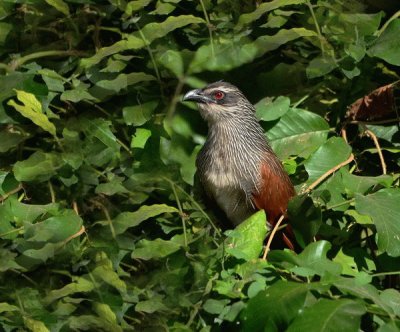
236, 165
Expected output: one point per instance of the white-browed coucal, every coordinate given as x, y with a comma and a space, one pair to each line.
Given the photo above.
236, 165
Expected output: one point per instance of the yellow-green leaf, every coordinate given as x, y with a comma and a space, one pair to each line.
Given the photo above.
32, 109
60, 5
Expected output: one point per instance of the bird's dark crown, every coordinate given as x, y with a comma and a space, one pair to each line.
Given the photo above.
221, 93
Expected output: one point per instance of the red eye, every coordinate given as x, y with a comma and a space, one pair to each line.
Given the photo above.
219, 95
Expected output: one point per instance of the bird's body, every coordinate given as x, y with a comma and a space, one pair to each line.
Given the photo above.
236, 165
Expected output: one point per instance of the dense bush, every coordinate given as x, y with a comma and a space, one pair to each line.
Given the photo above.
100, 227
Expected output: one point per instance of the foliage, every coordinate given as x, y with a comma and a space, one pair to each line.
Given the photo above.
100, 226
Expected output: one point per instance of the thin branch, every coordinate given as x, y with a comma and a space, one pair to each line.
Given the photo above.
328, 173
209, 26
271, 237
178, 202
378, 147
374, 122
320, 36
11, 192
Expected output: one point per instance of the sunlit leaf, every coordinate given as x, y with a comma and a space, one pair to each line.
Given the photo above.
298, 132
31, 108
384, 210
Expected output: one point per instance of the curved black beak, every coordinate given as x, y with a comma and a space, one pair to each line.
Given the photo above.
197, 96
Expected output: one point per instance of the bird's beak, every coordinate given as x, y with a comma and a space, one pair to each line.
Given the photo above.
197, 96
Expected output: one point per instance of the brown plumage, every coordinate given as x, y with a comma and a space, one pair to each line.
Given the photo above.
236, 165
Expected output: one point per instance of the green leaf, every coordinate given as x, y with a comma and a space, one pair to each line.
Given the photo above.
387, 45
38, 167
10, 140
126, 220
5, 307
140, 138
263, 8
320, 66
79, 285
173, 61
5, 29
76, 95
273, 309
32, 109
331, 153
122, 81
305, 218
246, 240
157, 248
35, 325
54, 229
60, 5
298, 133
384, 210
139, 114
269, 110
327, 315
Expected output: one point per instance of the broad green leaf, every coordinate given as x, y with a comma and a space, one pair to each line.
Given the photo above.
151, 305
313, 260
384, 210
173, 61
246, 240
126, 220
35, 325
104, 311
5, 29
387, 45
138, 40
38, 167
305, 218
331, 153
263, 8
122, 81
53, 80
76, 95
391, 297
133, 6
91, 323
273, 309
215, 306
320, 66
366, 24
229, 53
139, 114
154, 30
366, 291
104, 271
157, 248
298, 133
79, 285
223, 55
7, 262
140, 138
269, 110
5, 307
54, 229
31, 108
60, 5
100, 129
10, 140
329, 315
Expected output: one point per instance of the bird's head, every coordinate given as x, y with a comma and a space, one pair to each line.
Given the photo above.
220, 101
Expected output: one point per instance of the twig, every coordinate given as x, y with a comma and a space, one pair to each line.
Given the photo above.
178, 202
11, 192
271, 237
328, 173
378, 147
320, 36
73, 236
344, 134
209, 26
52, 193
374, 122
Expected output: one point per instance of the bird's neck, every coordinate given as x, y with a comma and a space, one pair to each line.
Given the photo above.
242, 136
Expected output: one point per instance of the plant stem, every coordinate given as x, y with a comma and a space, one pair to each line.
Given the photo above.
178, 202
320, 36
209, 25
